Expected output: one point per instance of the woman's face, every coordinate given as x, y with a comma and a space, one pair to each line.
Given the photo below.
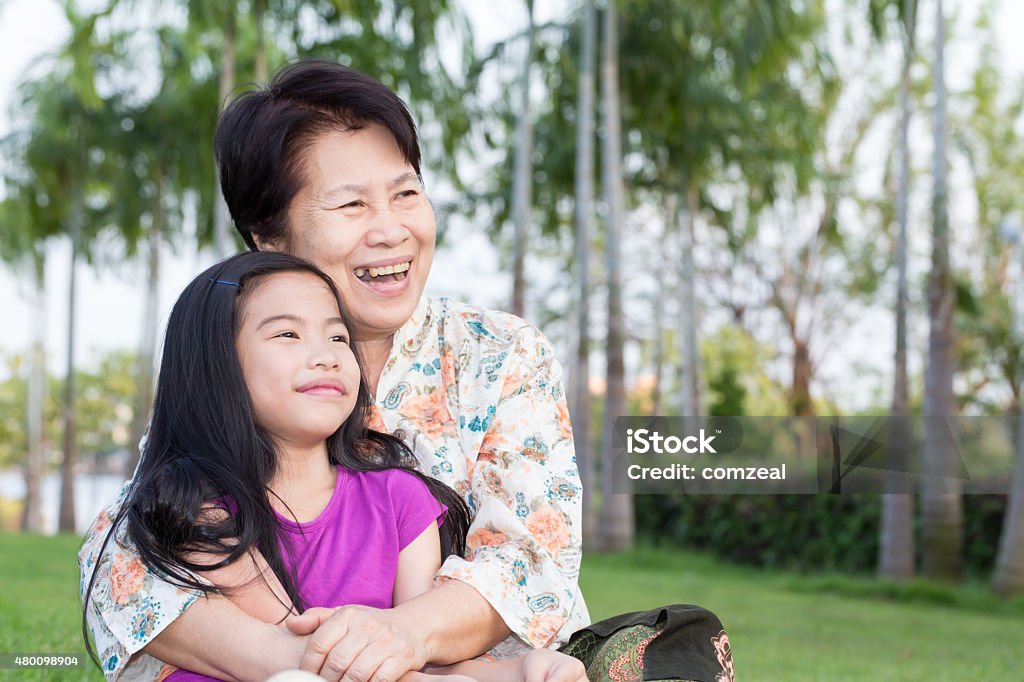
298, 366
363, 217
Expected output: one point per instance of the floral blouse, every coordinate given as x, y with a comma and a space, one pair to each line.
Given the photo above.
477, 395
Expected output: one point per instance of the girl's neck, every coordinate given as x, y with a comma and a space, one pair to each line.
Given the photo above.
304, 481
374, 353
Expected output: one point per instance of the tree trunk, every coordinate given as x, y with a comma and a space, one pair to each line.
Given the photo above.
896, 538
32, 513
259, 9
803, 373
222, 242
671, 215
617, 508
1008, 577
688, 352
942, 516
66, 517
143, 401
522, 181
584, 228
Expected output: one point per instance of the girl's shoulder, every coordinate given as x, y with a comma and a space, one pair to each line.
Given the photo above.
390, 481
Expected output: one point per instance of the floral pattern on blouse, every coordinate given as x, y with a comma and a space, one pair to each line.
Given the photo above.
477, 395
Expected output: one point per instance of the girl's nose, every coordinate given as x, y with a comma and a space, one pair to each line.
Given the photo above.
325, 356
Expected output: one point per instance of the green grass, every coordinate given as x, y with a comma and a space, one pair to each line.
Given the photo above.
781, 626
787, 627
39, 607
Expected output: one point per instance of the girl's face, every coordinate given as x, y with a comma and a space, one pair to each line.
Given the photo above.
294, 350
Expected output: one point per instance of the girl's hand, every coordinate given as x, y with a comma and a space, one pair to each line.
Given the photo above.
545, 665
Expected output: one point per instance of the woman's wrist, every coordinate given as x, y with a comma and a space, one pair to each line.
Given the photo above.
454, 622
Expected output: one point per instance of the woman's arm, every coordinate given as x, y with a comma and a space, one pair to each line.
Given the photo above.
233, 636
525, 542
214, 637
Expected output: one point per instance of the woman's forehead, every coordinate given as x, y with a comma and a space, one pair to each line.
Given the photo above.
353, 160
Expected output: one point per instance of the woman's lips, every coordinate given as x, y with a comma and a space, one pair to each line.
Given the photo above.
390, 284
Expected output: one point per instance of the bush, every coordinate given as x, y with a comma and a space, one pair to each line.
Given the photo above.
802, 532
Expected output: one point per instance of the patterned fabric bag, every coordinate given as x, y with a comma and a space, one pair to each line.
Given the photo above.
677, 642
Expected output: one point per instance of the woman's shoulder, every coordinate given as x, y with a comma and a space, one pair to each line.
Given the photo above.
485, 326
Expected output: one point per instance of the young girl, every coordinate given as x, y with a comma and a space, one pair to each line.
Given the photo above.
260, 479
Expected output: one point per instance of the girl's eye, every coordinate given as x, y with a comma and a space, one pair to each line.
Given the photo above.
287, 335
339, 338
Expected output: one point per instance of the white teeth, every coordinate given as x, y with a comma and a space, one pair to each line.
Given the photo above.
385, 270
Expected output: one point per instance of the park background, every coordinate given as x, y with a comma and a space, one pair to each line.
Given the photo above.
725, 200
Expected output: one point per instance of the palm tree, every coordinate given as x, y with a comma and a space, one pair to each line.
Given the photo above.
942, 515
522, 180
896, 536
24, 250
617, 508
159, 173
688, 351
584, 219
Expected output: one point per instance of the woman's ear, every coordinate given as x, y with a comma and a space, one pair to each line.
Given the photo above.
264, 244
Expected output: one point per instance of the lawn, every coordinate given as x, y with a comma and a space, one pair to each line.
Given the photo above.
781, 626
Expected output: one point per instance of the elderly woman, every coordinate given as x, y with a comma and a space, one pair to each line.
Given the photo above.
325, 165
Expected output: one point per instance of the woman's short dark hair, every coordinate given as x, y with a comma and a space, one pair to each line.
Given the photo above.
262, 135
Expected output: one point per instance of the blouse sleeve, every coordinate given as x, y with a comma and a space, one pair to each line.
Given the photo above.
129, 605
415, 507
524, 543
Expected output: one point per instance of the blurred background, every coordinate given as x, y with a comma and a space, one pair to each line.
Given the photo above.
738, 207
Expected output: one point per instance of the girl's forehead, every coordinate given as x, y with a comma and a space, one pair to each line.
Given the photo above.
290, 291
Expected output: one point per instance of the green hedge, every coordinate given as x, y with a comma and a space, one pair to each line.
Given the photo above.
802, 532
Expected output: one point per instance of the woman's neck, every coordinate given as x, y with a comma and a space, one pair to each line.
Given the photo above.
375, 353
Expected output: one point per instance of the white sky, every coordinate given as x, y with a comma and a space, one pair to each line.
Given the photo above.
110, 301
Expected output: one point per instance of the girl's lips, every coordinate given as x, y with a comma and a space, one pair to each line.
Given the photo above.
323, 387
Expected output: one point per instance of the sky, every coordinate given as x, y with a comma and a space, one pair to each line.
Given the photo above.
110, 300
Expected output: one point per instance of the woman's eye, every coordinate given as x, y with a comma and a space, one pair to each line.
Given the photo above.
339, 338
407, 194
287, 335
352, 204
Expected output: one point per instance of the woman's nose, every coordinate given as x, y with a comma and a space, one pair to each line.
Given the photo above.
385, 228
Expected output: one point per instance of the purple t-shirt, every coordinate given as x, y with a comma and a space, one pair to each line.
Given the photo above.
349, 554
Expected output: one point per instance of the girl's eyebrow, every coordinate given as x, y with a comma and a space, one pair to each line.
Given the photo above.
295, 319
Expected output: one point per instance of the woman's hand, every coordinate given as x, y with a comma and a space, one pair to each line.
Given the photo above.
359, 643
545, 665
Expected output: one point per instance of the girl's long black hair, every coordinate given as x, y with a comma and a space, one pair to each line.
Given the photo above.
204, 443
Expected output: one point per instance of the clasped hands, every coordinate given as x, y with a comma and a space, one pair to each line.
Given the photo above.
364, 644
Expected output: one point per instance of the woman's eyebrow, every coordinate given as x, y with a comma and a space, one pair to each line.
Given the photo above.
402, 179
352, 188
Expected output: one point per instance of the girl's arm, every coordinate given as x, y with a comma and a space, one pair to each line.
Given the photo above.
249, 582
